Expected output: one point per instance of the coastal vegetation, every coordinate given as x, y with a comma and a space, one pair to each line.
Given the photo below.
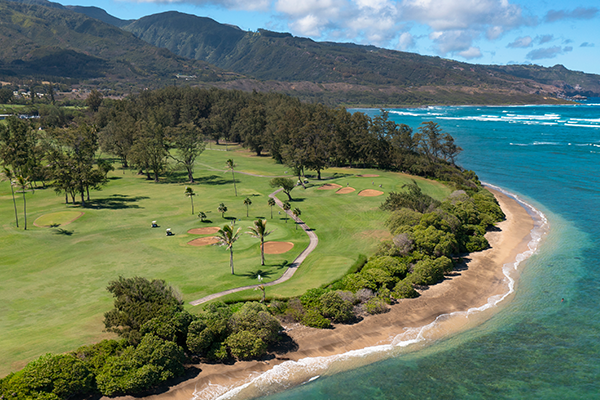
151, 335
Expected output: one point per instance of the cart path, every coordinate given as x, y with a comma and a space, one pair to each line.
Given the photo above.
313, 241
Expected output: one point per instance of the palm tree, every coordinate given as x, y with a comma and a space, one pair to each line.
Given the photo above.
227, 238
231, 166
259, 231
247, 203
296, 213
23, 182
9, 175
271, 203
222, 209
202, 216
189, 192
286, 207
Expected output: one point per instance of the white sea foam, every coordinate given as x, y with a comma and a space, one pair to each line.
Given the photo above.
292, 373
408, 113
582, 125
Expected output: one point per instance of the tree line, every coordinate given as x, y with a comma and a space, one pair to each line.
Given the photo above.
146, 130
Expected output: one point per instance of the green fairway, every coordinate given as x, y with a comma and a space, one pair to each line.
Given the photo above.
53, 279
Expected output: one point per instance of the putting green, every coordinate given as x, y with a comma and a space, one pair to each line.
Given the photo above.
61, 218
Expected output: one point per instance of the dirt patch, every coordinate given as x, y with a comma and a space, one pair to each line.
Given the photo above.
278, 247
204, 231
346, 190
330, 186
367, 176
57, 219
204, 241
370, 193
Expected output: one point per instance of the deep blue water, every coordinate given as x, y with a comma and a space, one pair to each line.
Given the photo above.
535, 347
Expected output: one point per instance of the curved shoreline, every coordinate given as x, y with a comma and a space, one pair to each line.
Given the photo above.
465, 299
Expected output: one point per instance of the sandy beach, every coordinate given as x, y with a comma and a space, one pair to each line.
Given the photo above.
471, 286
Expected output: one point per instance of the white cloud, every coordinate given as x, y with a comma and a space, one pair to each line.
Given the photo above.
309, 25
453, 42
470, 53
406, 41
442, 15
521, 42
548, 52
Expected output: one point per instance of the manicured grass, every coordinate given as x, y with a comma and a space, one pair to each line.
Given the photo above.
53, 280
57, 218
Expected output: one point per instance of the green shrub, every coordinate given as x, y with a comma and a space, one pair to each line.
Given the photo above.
404, 290
476, 243
138, 369
335, 308
377, 278
404, 217
430, 271
94, 356
253, 317
355, 282
137, 301
218, 352
314, 319
311, 298
50, 377
172, 328
434, 242
392, 265
199, 338
246, 345
376, 305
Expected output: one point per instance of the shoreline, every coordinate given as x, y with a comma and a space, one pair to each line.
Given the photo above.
463, 300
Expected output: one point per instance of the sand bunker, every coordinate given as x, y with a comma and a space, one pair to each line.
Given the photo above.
278, 247
204, 241
370, 193
346, 190
330, 186
204, 231
368, 176
61, 218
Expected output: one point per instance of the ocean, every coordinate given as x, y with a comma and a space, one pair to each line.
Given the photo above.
543, 341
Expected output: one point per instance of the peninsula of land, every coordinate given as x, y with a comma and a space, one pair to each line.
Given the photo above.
470, 287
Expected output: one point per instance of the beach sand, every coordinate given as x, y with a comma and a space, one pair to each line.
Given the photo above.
469, 287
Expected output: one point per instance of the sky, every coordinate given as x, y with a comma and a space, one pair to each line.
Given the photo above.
542, 32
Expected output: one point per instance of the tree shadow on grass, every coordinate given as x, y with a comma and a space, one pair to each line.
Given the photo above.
213, 180
255, 274
116, 202
65, 232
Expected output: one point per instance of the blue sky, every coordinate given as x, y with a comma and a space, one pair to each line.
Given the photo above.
543, 32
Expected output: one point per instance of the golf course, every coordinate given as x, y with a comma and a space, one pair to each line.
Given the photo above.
54, 274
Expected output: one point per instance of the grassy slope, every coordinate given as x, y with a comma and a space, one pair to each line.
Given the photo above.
52, 285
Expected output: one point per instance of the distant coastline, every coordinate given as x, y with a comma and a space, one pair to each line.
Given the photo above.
482, 283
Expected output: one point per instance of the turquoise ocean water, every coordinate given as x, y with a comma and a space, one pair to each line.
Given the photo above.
535, 346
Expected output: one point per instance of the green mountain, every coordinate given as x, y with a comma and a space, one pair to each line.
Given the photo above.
346, 71
51, 42
100, 14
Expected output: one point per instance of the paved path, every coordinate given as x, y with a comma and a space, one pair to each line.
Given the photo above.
314, 240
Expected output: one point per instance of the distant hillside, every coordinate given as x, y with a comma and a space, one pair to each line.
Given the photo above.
53, 42
100, 14
569, 82
271, 56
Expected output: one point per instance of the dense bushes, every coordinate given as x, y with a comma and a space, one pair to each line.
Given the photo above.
158, 336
